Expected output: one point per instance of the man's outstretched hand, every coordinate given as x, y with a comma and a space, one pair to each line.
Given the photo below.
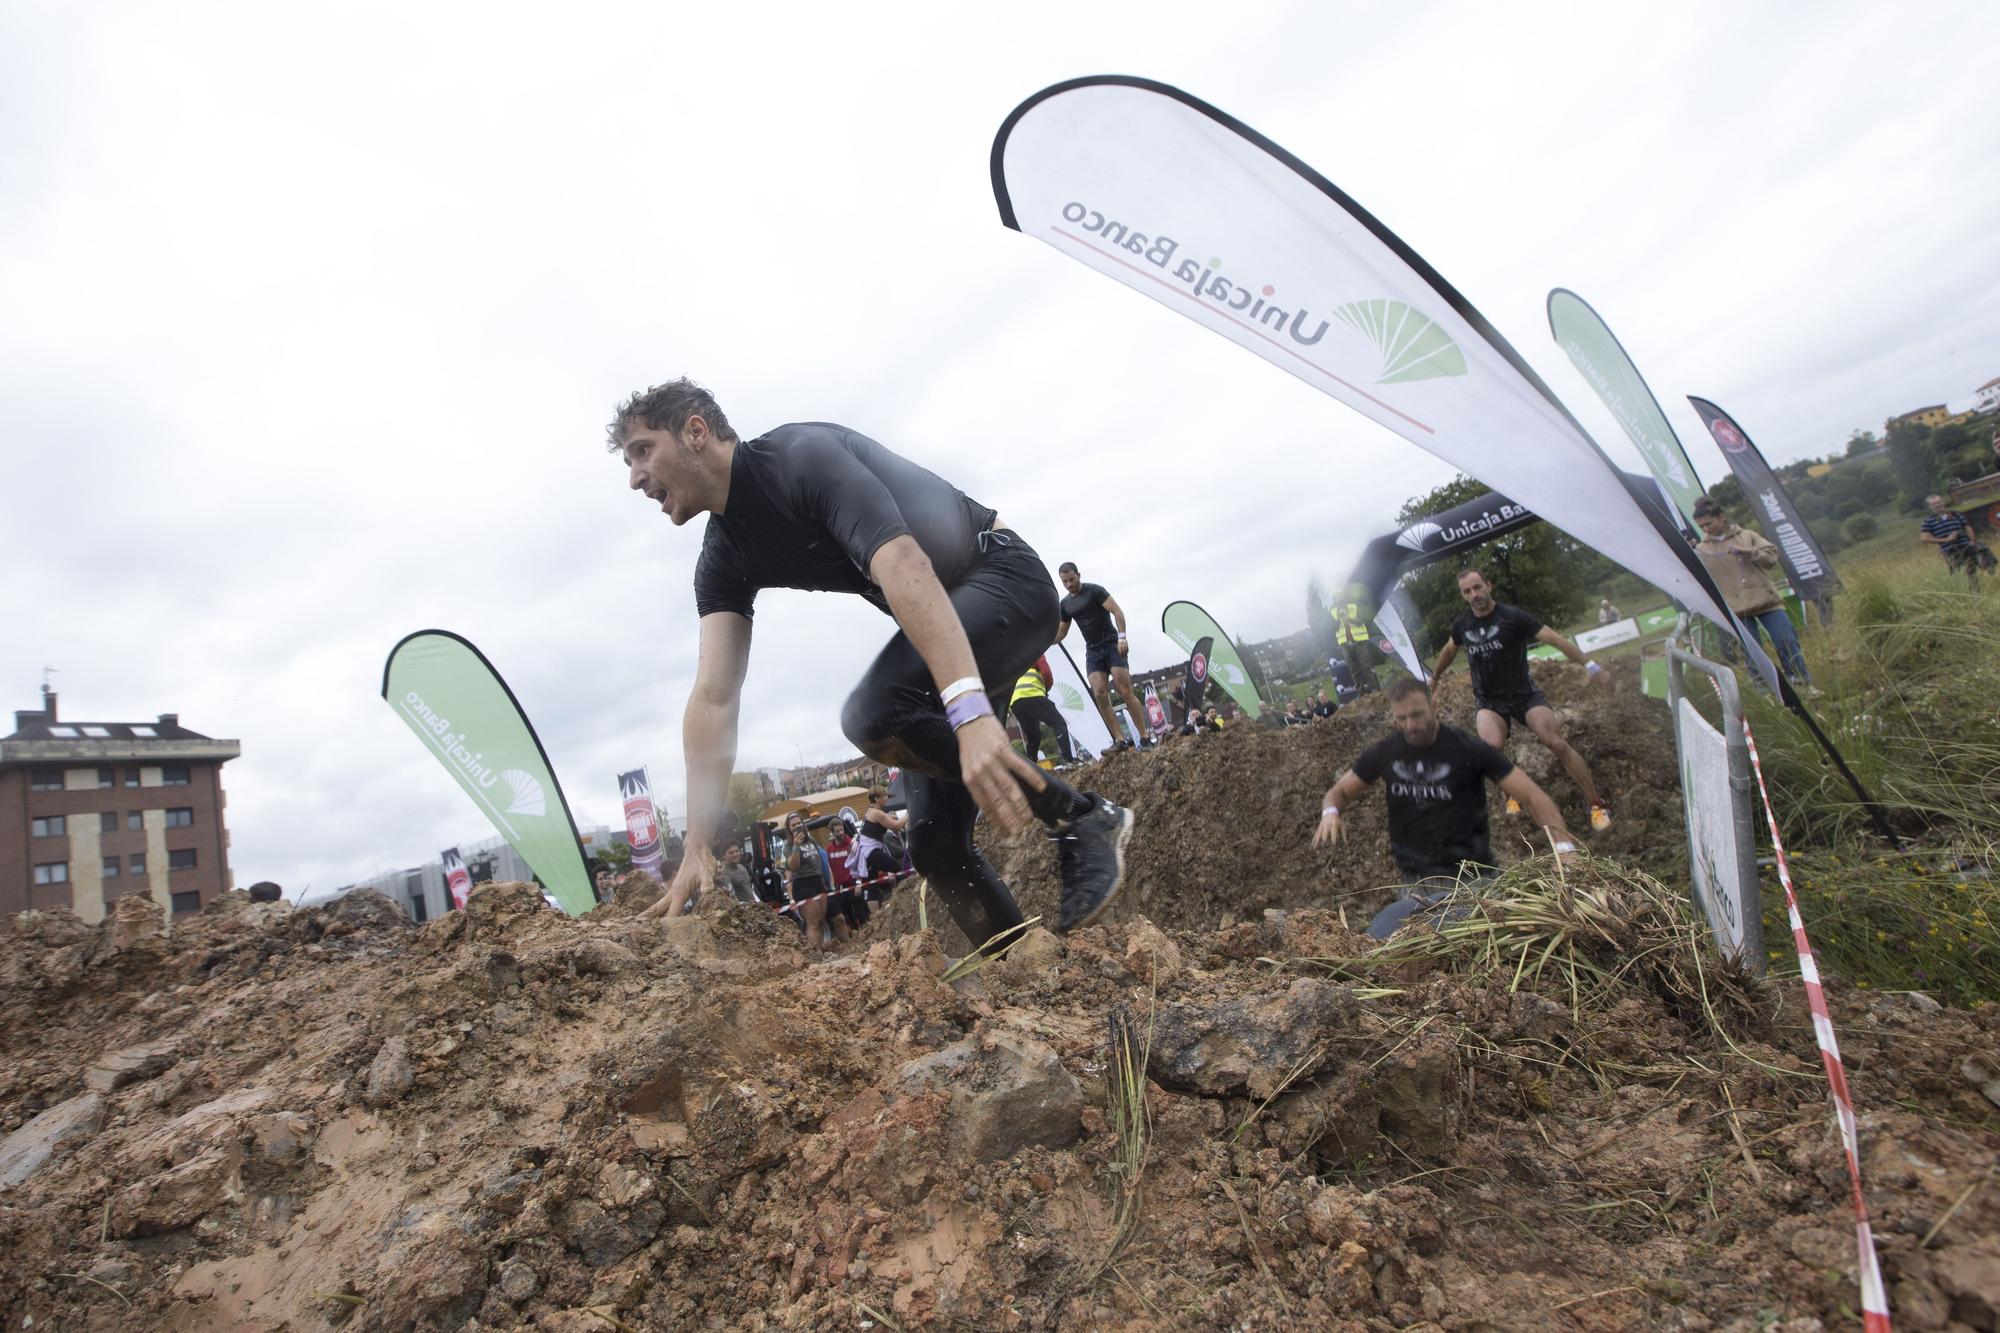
1328, 833
696, 875
993, 772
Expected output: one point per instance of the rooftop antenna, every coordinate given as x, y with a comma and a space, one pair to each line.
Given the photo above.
48, 671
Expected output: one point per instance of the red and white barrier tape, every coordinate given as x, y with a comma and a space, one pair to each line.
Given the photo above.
1874, 1299
856, 887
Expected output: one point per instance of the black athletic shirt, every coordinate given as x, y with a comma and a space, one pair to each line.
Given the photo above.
1496, 646
810, 504
1085, 609
1437, 798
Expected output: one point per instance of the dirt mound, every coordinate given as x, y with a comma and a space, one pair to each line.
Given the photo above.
1225, 820
272, 1120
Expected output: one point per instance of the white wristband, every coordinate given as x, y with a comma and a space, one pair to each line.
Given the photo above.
1333, 810
1565, 847
963, 685
1592, 667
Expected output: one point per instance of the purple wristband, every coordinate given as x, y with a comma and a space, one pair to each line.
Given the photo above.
968, 707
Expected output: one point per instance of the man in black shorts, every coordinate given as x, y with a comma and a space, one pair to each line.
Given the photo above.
1105, 648
1437, 779
1495, 637
820, 507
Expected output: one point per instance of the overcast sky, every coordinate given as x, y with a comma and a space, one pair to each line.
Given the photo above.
312, 317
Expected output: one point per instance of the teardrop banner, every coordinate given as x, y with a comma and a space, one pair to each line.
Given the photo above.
1187, 624
1608, 369
1187, 205
457, 879
1071, 695
1197, 671
1806, 565
450, 695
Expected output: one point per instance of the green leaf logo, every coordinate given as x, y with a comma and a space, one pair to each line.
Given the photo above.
1413, 346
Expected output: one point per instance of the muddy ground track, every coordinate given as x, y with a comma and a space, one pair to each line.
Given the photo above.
507, 1119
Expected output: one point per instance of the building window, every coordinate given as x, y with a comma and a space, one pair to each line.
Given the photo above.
45, 779
131, 777
181, 860
135, 864
107, 822
186, 902
181, 818
107, 777
52, 872
111, 867
49, 826
174, 777
135, 819
417, 913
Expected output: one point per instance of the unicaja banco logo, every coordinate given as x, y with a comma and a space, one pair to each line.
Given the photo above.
1413, 347
1417, 534
526, 795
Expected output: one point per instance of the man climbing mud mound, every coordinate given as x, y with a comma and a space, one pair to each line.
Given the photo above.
334, 1119
1230, 820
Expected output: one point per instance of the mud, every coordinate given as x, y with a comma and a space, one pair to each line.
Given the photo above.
508, 1119
1226, 819
331, 1118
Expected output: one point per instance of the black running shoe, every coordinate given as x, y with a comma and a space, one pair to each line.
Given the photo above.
1090, 858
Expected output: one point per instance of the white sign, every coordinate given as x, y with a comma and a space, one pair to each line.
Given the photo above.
1622, 631
1711, 826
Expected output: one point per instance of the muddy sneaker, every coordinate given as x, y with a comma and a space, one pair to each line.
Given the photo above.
1090, 859
1600, 816
1513, 806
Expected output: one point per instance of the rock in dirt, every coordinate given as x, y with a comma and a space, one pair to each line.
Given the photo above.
174, 1198
1008, 1092
1153, 958
130, 1065
363, 911
390, 1076
596, 1234
24, 1151
1982, 1076
517, 1281
1970, 1274
1252, 1045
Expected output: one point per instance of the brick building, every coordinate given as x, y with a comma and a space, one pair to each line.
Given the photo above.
91, 811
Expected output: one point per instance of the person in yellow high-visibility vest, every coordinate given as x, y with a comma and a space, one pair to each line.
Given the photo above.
1032, 709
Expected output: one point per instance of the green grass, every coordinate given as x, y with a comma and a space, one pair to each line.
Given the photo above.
1910, 681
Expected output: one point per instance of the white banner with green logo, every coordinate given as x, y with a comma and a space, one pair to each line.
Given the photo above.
1071, 696
1602, 361
1190, 207
465, 715
1185, 623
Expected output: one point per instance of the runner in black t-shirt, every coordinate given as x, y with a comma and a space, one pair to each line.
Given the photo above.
820, 507
1436, 783
1496, 639
1105, 648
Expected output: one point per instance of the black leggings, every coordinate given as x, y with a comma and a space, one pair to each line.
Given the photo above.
1007, 604
1036, 712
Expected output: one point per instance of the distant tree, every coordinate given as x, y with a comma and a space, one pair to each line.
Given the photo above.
616, 858
1861, 442
1727, 493
1913, 461
1538, 568
746, 798
1860, 528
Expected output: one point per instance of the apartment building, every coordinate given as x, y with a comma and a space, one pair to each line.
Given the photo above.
92, 811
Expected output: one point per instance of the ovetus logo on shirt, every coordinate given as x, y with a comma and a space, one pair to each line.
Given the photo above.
1415, 780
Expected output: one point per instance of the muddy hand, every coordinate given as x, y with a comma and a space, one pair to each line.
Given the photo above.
697, 873
993, 773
